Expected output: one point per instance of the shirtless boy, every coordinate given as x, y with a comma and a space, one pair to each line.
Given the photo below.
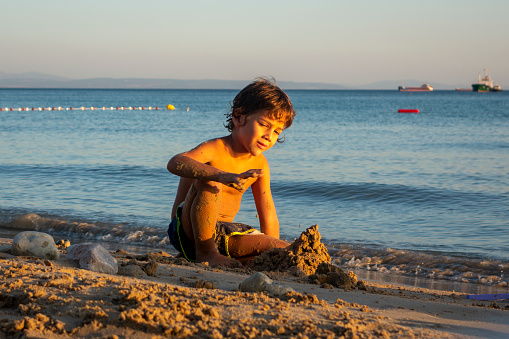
215, 175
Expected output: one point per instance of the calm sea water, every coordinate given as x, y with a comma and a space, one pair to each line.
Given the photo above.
423, 194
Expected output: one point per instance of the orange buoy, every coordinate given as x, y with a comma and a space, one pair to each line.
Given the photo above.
408, 111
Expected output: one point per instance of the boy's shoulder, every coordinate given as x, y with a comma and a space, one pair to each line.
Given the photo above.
213, 149
216, 143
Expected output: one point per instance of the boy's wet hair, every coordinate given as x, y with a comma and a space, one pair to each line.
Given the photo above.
262, 95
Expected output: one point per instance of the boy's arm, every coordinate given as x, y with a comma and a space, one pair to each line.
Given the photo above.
194, 165
269, 223
186, 166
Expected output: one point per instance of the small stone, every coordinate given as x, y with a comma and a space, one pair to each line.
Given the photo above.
63, 244
255, 283
205, 284
35, 244
150, 268
131, 271
93, 257
327, 273
260, 282
277, 289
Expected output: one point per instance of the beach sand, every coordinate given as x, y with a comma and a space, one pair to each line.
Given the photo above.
157, 295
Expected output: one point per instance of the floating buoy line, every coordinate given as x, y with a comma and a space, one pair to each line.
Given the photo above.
82, 108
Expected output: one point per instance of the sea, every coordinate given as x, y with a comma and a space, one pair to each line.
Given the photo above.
420, 199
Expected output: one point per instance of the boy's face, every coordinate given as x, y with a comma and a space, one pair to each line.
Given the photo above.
257, 132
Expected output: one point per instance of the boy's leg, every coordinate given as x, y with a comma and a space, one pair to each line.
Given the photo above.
199, 217
248, 246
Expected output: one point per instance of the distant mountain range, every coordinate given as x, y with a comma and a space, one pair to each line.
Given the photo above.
40, 80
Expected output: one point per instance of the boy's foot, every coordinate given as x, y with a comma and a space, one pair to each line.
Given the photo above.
217, 259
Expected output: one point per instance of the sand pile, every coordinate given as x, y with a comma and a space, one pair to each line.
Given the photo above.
304, 255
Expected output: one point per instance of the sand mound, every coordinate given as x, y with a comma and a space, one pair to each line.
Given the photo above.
304, 254
330, 276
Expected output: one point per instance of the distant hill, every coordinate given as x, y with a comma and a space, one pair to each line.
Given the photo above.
40, 80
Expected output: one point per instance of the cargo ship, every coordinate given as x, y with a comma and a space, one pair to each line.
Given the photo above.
424, 88
485, 84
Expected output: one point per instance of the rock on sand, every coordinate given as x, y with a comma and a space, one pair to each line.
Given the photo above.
260, 282
93, 257
35, 244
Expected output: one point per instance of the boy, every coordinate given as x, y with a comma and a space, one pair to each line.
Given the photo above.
215, 175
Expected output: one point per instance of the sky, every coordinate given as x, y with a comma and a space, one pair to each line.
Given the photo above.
342, 42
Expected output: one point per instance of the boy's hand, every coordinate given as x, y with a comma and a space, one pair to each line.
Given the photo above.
237, 181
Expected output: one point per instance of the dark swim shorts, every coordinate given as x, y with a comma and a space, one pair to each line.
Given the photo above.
224, 230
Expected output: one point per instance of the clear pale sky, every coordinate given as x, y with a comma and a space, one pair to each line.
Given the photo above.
343, 42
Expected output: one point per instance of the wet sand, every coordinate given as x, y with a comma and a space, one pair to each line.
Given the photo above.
158, 295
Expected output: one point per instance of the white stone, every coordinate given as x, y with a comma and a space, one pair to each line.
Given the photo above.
260, 282
255, 283
277, 289
35, 244
93, 257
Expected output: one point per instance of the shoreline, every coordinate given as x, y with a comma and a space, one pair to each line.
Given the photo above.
56, 299
364, 273
399, 277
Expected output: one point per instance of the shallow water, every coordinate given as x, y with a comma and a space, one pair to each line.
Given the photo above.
432, 184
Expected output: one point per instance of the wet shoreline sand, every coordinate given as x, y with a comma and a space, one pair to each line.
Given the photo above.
390, 266
56, 299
